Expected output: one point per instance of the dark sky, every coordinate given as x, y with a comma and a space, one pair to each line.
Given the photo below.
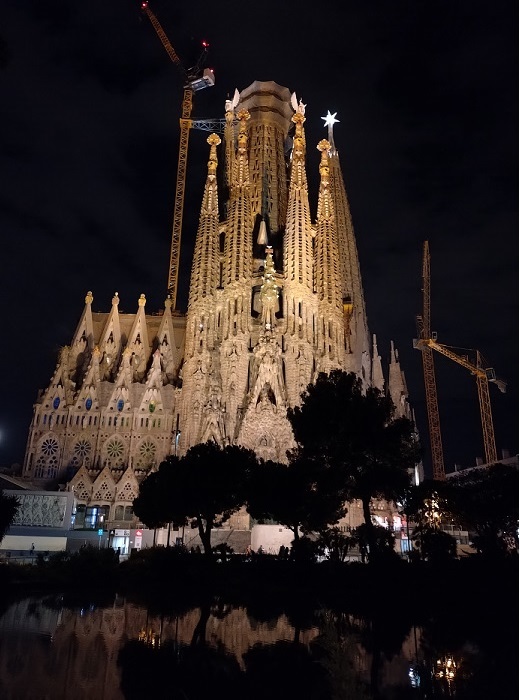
426, 92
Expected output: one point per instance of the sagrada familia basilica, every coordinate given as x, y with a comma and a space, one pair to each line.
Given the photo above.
275, 297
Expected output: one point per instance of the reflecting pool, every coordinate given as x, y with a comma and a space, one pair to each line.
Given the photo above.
117, 649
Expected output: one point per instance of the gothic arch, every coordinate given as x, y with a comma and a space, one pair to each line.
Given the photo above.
47, 457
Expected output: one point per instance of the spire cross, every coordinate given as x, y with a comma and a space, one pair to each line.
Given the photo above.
213, 140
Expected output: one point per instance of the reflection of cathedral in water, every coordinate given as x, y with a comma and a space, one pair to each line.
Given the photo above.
62, 653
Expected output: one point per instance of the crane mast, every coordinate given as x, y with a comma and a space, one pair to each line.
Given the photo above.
427, 342
432, 405
195, 79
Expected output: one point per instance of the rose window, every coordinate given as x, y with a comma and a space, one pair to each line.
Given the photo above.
82, 451
49, 447
115, 449
147, 450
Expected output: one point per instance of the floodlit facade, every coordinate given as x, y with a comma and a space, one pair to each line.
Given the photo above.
275, 298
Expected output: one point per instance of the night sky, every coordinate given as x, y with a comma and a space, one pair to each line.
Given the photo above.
426, 92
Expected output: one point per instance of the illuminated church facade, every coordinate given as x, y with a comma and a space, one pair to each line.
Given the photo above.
275, 297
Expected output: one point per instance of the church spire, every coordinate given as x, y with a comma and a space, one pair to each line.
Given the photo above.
356, 325
298, 231
204, 266
397, 385
327, 271
377, 377
240, 221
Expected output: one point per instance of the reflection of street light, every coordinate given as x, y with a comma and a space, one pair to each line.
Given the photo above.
446, 668
413, 675
149, 637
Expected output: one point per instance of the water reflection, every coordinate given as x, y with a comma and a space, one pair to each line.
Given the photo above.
123, 650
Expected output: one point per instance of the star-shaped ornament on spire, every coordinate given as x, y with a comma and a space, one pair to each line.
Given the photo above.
330, 119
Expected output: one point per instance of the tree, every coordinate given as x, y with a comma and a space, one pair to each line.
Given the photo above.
383, 541
303, 495
206, 485
435, 545
155, 505
356, 434
8, 508
485, 501
336, 543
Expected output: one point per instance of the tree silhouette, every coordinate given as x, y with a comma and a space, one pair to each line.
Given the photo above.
485, 501
8, 508
206, 485
303, 495
357, 436
155, 505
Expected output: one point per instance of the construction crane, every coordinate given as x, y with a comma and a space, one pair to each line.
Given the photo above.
432, 406
427, 342
195, 79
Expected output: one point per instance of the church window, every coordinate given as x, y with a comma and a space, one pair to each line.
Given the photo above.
90, 420
77, 420
138, 338
103, 492
47, 463
115, 452
119, 513
151, 406
146, 453
81, 452
120, 405
129, 513
95, 516
56, 402
88, 403
49, 447
127, 493
44, 418
110, 421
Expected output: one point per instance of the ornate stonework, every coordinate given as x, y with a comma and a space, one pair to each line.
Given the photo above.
274, 299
